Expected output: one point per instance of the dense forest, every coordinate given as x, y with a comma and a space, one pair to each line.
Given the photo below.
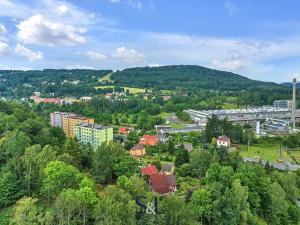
188, 77
59, 82
181, 78
46, 178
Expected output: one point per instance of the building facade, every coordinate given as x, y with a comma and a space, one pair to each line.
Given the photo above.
56, 118
283, 104
69, 123
93, 134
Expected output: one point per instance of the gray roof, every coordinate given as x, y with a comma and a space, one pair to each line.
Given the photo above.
168, 167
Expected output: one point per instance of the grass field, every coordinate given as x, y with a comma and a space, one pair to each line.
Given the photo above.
264, 152
229, 106
296, 155
130, 89
105, 78
164, 115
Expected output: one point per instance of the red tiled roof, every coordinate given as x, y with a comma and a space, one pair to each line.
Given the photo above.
149, 137
123, 129
162, 183
149, 170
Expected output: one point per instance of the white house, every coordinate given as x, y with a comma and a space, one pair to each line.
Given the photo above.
223, 141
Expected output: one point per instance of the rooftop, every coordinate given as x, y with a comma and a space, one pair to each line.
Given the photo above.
94, 126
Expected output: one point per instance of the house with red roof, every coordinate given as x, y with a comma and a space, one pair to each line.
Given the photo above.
149, 140
223, 141
162, 183
123, 130
149, 170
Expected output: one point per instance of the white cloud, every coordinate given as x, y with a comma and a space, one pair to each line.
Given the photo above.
62, 10
228, 64
233, 62
128, 55
133, 3
12, 8
231, 8
38, 30
2, 29
4, 49
27, 53
96, 55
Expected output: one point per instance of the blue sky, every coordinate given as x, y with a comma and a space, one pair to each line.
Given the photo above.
254, 38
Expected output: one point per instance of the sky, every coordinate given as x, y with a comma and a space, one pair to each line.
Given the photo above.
255, 38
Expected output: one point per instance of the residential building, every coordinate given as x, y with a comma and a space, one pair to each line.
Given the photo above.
149, 170
37, 99
69, 100
86, 98
123, 130
167, 168
223, 141
149, 140
56, 118
162, 183
138, 151
69, 123
188, 147
167, 98
93, 134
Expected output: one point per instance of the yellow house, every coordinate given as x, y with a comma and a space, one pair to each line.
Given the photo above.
138, 151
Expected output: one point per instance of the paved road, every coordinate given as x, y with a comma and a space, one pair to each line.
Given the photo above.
279, 166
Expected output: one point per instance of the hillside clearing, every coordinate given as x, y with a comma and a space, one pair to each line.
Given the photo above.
130, 89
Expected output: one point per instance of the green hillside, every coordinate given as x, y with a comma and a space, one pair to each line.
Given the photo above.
187, 77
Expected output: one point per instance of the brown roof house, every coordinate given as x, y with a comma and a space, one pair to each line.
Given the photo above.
138, 151
163, 183
188, 147
223, 141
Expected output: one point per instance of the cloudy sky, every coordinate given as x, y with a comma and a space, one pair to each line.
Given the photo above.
258, 39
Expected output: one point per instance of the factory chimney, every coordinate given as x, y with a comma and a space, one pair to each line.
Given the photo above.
294, 104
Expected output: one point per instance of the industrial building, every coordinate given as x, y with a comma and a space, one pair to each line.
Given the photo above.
93, 134
242, 115
277, 126
283, 104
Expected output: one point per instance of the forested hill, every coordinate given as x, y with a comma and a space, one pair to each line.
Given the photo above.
187, 77
61, 82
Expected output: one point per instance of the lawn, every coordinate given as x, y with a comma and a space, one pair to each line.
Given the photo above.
229, 106
296, 155
130, 89
105, 78
165, 115
264, 152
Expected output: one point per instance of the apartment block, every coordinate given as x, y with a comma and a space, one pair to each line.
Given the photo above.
56, 118
94, 134
69, 123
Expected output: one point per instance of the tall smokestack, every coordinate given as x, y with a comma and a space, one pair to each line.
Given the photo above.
294, 103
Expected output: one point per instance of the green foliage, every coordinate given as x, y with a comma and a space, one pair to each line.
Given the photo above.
186, 77
51, 81
11, 188
58, 176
